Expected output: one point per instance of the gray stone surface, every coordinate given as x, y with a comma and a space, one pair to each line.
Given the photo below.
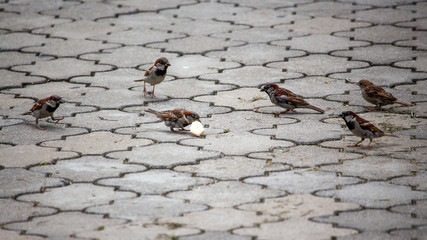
110, 170
155, 181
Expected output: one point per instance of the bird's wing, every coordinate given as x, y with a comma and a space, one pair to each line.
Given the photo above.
366, 125
378, 92
39, 104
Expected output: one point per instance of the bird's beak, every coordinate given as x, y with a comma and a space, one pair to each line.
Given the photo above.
341, 115
358, 84
168, 64
262, 89
60, 101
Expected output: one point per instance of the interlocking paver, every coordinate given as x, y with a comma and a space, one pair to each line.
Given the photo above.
306, 156
156, 181
66, 224
77, 196
147, 208
220, 219
176, 154
231, 168
110, 170
375, 194
16, 181
31, 155
138, 230
302, 181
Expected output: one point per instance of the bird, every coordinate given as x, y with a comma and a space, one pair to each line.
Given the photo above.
286, 99
377, 95
362, 128
45, 108
155, 74
176, 118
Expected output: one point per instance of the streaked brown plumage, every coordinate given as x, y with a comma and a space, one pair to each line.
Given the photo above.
155, 74
177, 118
45, 108
377, 95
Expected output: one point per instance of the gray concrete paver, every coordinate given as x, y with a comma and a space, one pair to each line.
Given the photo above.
109, 170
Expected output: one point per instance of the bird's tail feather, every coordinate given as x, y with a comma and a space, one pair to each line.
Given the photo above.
139, 80
149, 110
315, 108
390, 135
25, 113
403, 103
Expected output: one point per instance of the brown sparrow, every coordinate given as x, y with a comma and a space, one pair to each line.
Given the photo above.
362, 128
177, 118
377, 95
45, 108
286, 99
155, 74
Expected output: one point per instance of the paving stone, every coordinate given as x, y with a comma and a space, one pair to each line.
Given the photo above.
26, 155
68, 91
231, 168
15, 41
415, 154
215, 235
418, 24
138, 36
190, 66
417, 43
66, 224
118, 98
419, 209
143, 20
318, 86
12, 58
116, 79
16, 181
205, 10
319, 43
382, 146
249, 76
176, 154
293, 229
89, 11
239, 99
369, 235
262, 17
381, 75
104, 120
139, 230
256, 54
194, 45
225, 194
321, 25
128, 56
257, 35
379, 34
371, 220
417, 181
9, 122
418, 233
302, 181
306, 156
97, 143
325, 9
419, 64
81, 29
375, 194
379, 3
27, 21
382, 16
59, 68
318, 65
88, 168
247, 121
25, 134
76, 196
9, 102
205, 27
373, 168
189, 87
237, 143
19, 211
4, 234
70, 47
147, 208
156, 181
266, 4
307, 132
378, 54
219, 219
35, 7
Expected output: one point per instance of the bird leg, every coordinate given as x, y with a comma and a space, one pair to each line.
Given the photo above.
373, 108
287, 110
145, 90
152, 93
357, 144
57, 119
183, 129
38, 125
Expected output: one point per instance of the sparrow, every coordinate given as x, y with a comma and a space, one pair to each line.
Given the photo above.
177, 118
45, 108
155, 74
377, 95
362, 128
286, 99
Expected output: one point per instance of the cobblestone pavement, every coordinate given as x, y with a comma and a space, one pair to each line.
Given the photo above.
110, 171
